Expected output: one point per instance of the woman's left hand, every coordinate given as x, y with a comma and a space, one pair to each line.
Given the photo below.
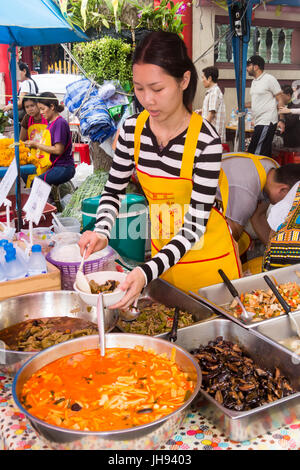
133, 284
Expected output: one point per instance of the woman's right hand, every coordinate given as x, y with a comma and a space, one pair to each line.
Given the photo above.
92, 241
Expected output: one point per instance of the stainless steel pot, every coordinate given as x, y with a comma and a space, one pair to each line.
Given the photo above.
39, 305
149, 436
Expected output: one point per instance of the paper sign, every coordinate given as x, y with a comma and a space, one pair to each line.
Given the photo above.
37, 200
8, 180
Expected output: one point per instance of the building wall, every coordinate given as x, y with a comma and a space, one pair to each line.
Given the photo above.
204, 18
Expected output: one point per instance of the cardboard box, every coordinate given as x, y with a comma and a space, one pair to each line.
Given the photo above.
41, 283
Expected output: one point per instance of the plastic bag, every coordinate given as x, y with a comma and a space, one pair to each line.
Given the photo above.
82, 172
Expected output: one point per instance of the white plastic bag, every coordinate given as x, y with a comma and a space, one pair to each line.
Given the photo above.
83, 170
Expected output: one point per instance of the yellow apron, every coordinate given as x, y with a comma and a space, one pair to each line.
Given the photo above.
169, 199
44, 162
245, 240
34, 132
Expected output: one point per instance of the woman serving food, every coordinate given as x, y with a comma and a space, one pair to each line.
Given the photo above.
177, 156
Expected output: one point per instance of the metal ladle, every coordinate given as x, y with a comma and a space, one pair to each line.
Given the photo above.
131, 313
283, 303
101, 323
245, 315
81, 280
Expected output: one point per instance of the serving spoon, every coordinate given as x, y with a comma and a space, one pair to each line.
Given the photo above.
81, 280
101, 326
286, 307
245, 315
58, 222
131, 313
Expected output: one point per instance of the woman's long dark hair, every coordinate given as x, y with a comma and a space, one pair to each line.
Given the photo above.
168, 51
47, 98
23, 66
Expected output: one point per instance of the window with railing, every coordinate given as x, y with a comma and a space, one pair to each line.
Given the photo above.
272, 43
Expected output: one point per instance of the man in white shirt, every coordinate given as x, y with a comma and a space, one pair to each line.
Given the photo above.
265, 94
213, 109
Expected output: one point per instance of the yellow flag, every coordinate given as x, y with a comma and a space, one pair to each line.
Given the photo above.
83, 11
115, 6
63, 7
221, 4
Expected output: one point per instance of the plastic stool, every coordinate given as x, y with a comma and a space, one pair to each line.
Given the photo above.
84, 153
289, 155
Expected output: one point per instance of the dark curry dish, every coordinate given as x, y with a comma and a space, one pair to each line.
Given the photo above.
232, 378
41, 333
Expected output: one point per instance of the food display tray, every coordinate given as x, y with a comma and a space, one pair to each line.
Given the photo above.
164, 293
243, 425
217, 296
279, 329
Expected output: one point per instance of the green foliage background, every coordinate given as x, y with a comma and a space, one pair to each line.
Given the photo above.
105, 59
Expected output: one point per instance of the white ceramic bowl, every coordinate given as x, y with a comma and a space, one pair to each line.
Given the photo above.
101, 277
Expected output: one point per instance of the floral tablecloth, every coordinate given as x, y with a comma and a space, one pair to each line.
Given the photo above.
196, 432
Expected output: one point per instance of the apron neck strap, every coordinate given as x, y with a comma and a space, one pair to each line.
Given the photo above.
139, 126
190, 144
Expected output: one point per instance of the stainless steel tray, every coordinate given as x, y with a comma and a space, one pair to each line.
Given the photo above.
244, 425
278, 329
164, 293
218, 296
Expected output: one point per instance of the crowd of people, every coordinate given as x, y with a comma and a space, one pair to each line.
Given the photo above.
178, 158
44, 131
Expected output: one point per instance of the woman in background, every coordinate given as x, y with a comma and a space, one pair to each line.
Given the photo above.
56, 142
33, 124
32, 127
27, 87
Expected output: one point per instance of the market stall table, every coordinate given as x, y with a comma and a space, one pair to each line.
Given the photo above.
196, 432
231, 134
26, 170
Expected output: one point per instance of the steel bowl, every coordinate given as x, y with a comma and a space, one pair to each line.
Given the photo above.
149, 436
39, 305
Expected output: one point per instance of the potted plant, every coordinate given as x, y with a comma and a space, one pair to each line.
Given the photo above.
105, 59
122, 17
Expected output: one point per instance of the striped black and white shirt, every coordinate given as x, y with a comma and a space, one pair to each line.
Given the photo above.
164, 163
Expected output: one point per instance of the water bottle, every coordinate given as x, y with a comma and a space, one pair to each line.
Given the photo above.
2, 274
3, 243
248, 123
13, 268
233, 118
37, 263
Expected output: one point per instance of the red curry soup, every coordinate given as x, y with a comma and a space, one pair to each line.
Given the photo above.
88, 392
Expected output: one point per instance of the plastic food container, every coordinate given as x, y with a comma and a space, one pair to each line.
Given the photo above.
68, 270
70, 224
